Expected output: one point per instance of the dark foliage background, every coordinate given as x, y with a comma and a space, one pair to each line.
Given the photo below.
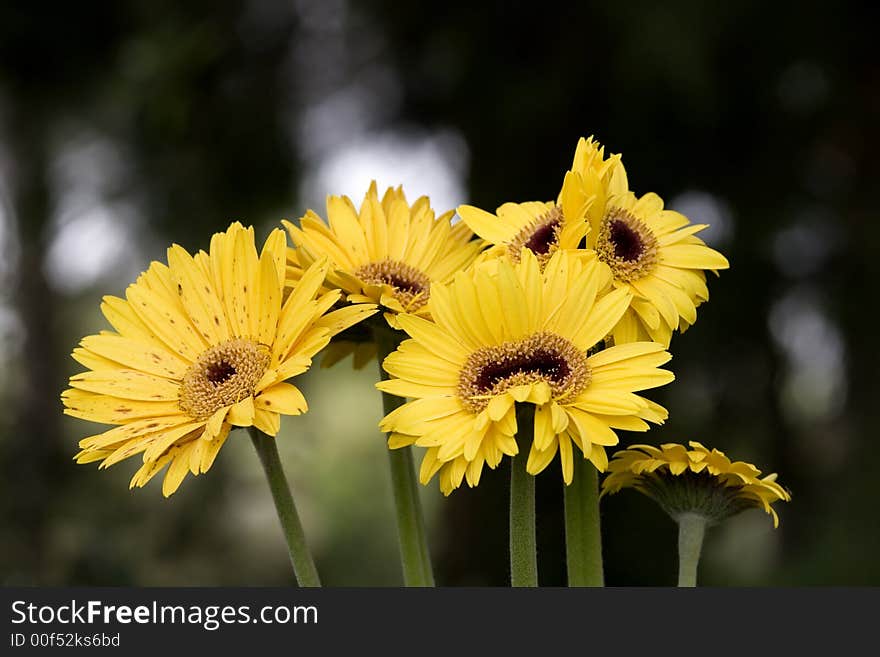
125, 126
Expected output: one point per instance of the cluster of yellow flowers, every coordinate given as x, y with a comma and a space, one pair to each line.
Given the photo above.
567, 306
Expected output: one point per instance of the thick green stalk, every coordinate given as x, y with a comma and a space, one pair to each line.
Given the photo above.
523, 544
583, 538
303, 565
412, 536
691, 528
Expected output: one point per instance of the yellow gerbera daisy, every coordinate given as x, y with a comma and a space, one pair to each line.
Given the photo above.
544, 228
201, 345
694, 480
514, 333
651, 251
387, 252
591, 181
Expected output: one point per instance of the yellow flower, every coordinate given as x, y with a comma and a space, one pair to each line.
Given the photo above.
201, 345
694, 480
591, 181
543, 228
512, 333
650, 251
387, 252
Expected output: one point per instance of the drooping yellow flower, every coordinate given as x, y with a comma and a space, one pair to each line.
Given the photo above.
199, 346
650, 251
543, 228
386, 252
694, 480
517, 332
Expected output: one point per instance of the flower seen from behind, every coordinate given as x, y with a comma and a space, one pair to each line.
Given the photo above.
695, 480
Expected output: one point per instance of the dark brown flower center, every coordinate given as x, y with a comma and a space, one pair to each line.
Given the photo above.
627, 245
410, 286
541, 236
546, 364
219, 372
547, 357
404, 284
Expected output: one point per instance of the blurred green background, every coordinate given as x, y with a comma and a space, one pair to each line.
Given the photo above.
125, 126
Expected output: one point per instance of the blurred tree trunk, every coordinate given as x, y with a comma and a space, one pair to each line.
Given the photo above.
35, 452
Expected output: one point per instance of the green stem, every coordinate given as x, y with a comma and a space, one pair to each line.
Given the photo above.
303, 565
411, 532
691, 528
583, 538
523, 545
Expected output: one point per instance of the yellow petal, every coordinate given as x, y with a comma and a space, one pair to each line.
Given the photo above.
198, 296
215, 423
398, 218
601, 320
282, 398
623, 352
430, 465
540, 459
131, 430
627, 329
176, 472
693, 256
164, 315
149, 470
136, 355
608, 402
544, 433
339, 320
590, 429
163, 441
433, 338
267, 421
268, 307
512, 298
123, 318
631, 381
415, 363
344, 223
241, 414
113, 410
486, 225
127, 384
565, 455
212, 448
499, 406
403, 388
559, 418
599, 458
